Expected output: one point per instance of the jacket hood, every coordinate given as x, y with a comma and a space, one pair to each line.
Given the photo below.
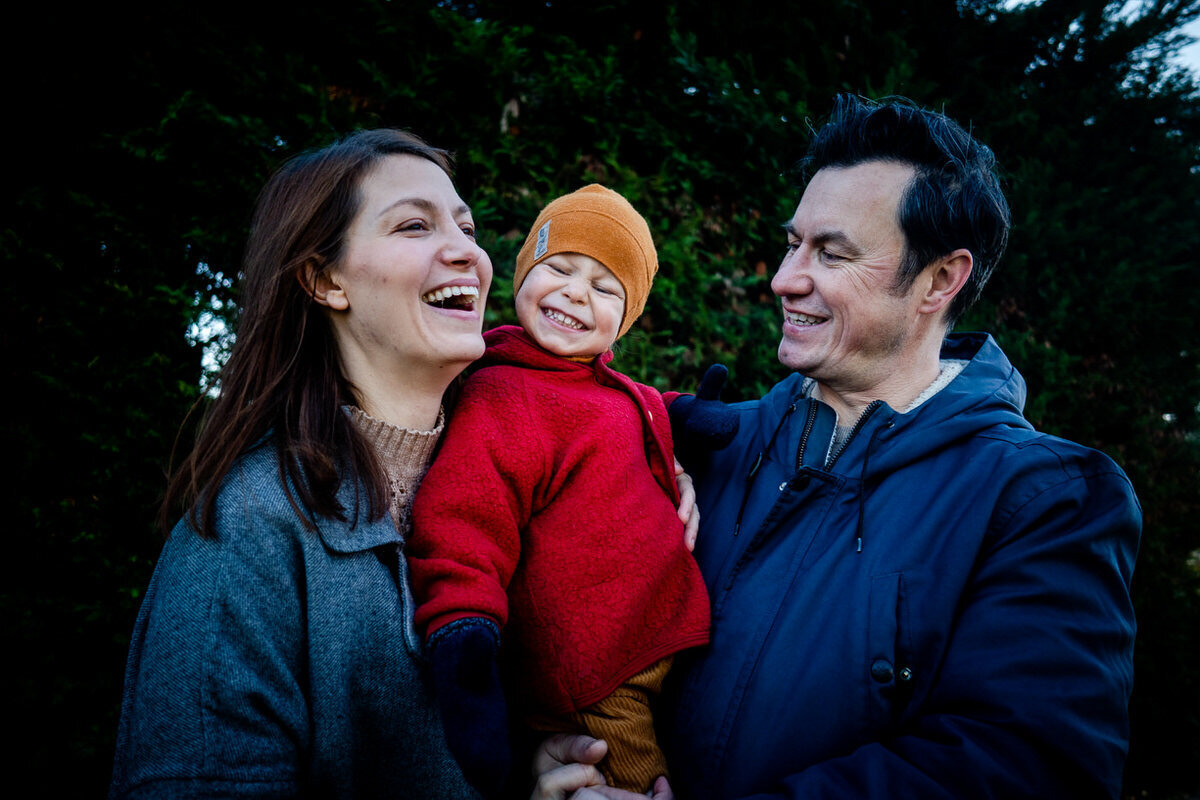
510, 344
988, 392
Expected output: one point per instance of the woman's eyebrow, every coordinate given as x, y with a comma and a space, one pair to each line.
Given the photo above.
425, 205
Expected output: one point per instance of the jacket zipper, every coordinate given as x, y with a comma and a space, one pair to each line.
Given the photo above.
750, 476
808, 427
871, 408
862, 420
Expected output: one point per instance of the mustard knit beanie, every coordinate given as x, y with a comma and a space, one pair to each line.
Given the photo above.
602, 224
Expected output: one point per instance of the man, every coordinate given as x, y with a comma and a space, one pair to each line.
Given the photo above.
914, 594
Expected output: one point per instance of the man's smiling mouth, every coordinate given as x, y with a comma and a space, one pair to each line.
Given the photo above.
796, 318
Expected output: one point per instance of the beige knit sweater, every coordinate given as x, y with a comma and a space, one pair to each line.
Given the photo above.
405, 455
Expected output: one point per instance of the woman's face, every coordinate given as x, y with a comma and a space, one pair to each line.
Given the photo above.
412, 280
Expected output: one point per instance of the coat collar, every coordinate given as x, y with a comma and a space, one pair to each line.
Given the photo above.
357, 533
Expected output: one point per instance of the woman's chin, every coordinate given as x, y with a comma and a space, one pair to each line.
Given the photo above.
462, 350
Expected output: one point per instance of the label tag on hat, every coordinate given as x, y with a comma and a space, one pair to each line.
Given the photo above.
543, 241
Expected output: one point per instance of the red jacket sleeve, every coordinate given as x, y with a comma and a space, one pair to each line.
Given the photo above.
473, 503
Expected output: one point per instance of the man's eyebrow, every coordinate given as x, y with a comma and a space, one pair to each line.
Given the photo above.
836, 237
822, 238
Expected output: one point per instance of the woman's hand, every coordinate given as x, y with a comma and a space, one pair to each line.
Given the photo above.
689, 514
565, 768
565, 763
661, 791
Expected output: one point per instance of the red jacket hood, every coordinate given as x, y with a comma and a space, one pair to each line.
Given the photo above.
510, 344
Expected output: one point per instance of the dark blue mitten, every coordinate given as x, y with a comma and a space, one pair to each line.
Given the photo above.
701, 422
474, 714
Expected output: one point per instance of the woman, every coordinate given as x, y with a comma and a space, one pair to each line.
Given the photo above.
274, 654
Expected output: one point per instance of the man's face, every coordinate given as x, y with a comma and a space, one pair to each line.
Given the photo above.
844, 323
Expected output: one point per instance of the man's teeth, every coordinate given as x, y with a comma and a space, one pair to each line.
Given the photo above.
563, 319
446, 292
802, 319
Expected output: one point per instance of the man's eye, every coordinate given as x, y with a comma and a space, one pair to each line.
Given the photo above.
830, 258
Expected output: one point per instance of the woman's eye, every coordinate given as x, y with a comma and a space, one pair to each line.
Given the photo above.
469, 230
412, 225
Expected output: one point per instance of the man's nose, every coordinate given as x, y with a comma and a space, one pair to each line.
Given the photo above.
792, 277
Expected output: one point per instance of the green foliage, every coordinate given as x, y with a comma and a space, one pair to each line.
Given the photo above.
152, 131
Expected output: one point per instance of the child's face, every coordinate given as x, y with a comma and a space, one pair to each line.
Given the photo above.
571, 305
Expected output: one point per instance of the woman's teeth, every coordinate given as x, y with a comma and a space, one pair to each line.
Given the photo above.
452, 297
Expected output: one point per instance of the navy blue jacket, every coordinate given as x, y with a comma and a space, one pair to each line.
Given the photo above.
943, 612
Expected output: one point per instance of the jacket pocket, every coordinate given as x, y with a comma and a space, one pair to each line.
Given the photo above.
888, 672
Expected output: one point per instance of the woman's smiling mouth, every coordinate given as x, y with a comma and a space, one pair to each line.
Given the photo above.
456, 297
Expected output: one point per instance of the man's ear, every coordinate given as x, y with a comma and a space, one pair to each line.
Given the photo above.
946, 278
322, 285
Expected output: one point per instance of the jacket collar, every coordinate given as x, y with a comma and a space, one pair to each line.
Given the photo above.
510, 344
357, 533
988, 391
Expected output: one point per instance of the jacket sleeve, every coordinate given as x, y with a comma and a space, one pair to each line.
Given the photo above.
214, 699
473, 504
1032, 697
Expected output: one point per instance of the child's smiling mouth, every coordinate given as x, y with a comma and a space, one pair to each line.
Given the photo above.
562, 319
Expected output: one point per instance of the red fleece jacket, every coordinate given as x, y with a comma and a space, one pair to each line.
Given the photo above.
554, 496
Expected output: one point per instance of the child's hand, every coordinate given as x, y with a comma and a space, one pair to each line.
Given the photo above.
474, 713
701, 422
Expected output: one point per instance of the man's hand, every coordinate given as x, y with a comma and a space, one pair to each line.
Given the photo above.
689, 513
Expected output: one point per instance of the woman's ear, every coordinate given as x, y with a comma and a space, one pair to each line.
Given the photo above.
322, 285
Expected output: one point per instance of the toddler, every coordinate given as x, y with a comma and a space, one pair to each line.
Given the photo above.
548, 519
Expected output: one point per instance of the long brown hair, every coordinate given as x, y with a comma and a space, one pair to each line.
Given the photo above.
283, 376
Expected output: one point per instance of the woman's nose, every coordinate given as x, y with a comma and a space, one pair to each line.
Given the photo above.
461, 250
